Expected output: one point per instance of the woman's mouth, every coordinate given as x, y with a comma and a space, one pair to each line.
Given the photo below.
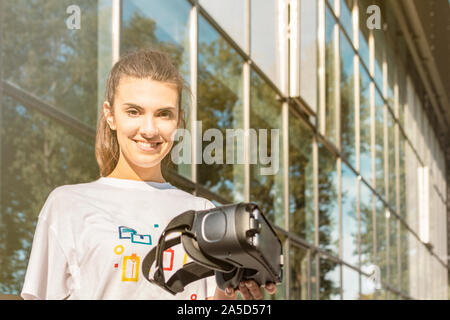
148, 146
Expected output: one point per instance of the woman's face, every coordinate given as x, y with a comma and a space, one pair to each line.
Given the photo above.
145, 118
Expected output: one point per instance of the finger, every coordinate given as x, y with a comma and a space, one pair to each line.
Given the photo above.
255, 289
229, 291
270, 288
245, 293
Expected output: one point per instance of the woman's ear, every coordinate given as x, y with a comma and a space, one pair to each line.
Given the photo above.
108, 113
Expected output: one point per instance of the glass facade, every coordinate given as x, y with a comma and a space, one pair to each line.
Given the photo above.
341, 156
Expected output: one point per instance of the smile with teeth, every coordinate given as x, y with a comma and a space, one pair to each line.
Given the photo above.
147, 146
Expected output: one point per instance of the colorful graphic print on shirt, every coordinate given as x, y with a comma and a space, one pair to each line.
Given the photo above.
131, 263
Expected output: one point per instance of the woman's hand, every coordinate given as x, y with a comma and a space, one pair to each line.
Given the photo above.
249, 290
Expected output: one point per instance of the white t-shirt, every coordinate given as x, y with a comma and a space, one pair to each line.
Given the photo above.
91, 239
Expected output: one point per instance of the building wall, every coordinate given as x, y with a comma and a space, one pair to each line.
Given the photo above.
359, 191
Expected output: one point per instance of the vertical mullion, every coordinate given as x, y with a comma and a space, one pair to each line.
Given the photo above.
337, 76
397, 178
2, 203
283, 27
339, 187
294, 48
246, 103
356, 64
316, 210
287, 267
372, 141
116, 15
193, 47
321, 54
285, 135
386, 163
308, 273
337, 81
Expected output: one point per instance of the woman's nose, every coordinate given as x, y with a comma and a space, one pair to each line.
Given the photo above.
149, 127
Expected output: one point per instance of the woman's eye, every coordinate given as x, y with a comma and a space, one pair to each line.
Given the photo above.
132, 112
166, 114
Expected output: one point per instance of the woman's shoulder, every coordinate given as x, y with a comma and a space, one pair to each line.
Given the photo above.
64, 197
69, 190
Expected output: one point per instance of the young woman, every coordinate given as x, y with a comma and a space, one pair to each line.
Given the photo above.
91, 238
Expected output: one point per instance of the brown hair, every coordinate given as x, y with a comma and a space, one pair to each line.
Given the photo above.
145, 63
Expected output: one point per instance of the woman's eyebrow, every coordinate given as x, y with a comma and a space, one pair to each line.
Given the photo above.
130, 104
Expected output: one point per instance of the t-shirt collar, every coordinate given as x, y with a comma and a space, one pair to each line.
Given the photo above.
127, 183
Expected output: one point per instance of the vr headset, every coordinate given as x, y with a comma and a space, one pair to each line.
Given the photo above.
233, 242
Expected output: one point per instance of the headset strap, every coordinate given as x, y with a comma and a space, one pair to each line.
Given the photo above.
189, 273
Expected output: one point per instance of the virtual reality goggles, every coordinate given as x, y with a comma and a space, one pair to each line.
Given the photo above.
233, 242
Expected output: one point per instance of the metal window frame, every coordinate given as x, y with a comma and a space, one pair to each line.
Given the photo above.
193, 48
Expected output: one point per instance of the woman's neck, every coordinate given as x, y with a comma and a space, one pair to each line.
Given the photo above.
126, 171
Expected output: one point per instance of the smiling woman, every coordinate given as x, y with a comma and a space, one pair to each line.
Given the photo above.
143, 129
79, 249
137, 120
83, 234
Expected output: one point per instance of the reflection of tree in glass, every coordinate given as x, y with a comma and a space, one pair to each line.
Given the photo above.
327, 197
55, 64
265, 114
366, 229
327, 220
379, 144
139, 33
219, 107
381, 238
301, 184
347, 115
329, 288
298, 281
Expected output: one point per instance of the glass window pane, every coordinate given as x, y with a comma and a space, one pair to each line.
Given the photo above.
266, 183
379, 143
329, 280
264, 37
392, 69
220, 108
347, 101
328, 202
381, 236
392, 177
411, 189
365, 123
364, 32
315, 291
28, 177
221, 11
346, 7
299, 265
45, 58
350, 284
330, 77
162, 25
366, 229
379, 57
301, 191
349, 216
158, 24
402, 175
331, 3
308, 52
393, 252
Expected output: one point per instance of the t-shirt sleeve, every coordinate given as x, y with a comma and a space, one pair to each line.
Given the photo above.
47, 275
